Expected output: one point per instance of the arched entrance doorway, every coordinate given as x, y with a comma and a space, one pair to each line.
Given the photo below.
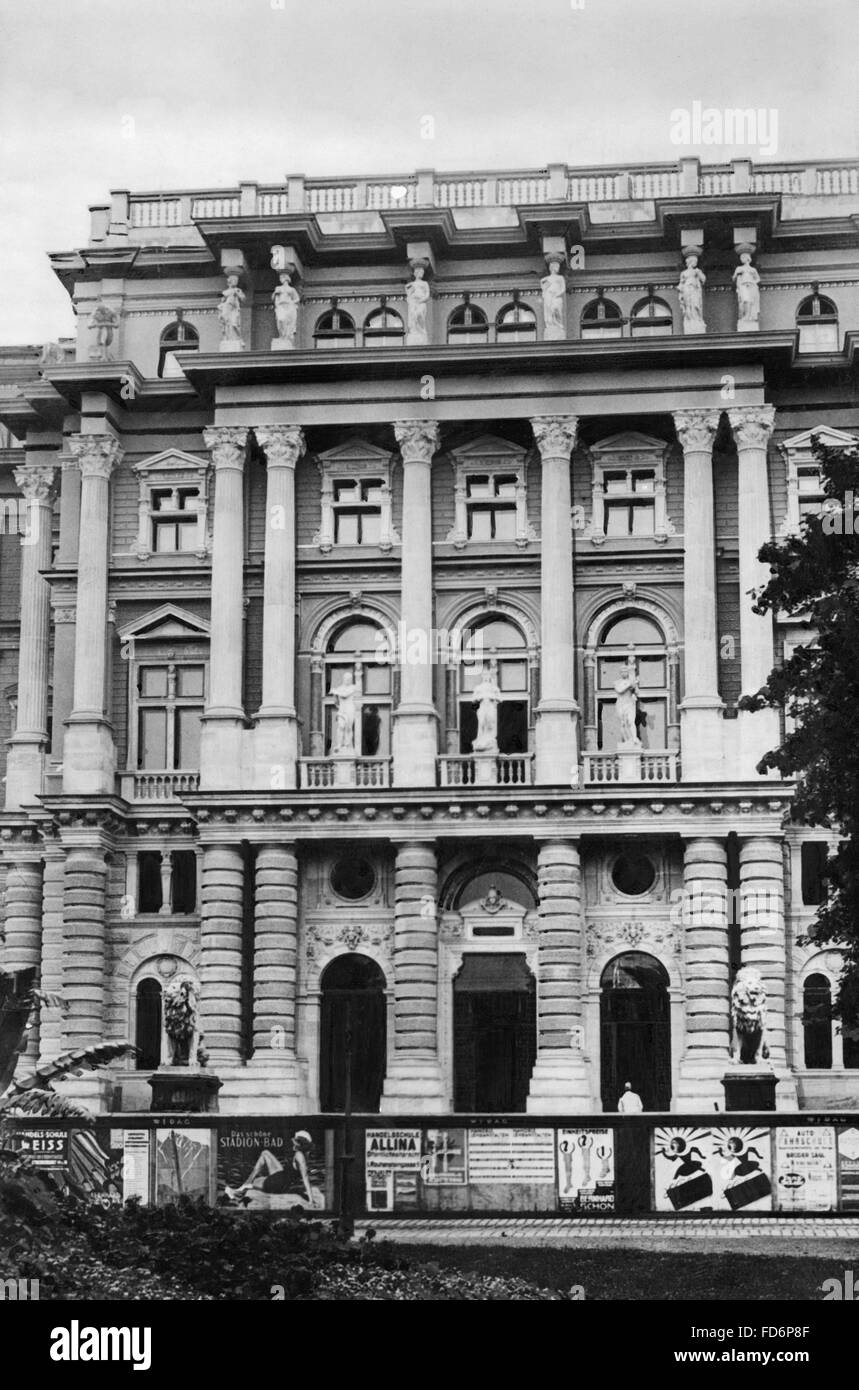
635, 1030
353, 1000
148, 1025
494, 1033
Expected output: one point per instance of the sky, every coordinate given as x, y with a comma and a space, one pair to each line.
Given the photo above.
170, 94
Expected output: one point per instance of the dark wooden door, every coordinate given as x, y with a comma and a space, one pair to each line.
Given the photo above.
495, 1034
635, 1032
353, 1000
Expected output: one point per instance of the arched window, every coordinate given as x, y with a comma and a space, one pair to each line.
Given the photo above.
495, 647
817, 1021
632, 645
651, 318
358, 692
516, 323
148, 1025
335, 329
467, 324
383, 328
178, 336
601, 318
817, 321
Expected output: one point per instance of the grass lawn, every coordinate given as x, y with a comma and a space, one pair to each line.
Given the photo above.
640, 1274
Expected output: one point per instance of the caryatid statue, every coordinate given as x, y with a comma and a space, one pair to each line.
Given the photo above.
554, 288
747, 284
345, 716
417, 297
230, 312
286, 300
103, 323
691, 291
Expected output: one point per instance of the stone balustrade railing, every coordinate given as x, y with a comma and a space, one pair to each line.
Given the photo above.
133, 213
612, 767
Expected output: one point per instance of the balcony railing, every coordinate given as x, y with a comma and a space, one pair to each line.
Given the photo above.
317, 774
630, 767
157, 786
141, 212
486, 770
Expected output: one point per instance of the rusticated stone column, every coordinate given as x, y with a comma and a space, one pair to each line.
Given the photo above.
89, 755
83, 932
753, 426
763, 945
560, 1082
29, 741
275, 972
223, 721
53, 952
222, 901
701, 709
24, 927
557, 712
705, 929
277, 728
415, 735
414, 1081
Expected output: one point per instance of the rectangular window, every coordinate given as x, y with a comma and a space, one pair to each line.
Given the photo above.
175, 521
630, 503
358, 511
814, 854
149, 894
170, 703
491, 506
184, 880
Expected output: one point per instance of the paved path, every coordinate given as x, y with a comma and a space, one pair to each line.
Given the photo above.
784, 1236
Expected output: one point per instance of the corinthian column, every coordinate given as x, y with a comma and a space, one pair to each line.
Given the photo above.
557, 712
753, 426
701, 709
28, 743
415, 719
89, 754
220, 753
277, 728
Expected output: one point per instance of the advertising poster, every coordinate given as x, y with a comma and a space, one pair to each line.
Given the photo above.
805, 1168
848, 1168
276, 1167
45, 1148
96, 1164
723, 1168
392, 1160
183, 1164
135, 1165
444, 1157
511, 1156
586, 1169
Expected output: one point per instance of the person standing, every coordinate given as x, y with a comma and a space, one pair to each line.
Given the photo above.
630, 1102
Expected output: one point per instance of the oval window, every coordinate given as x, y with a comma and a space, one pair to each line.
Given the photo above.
353, 878
633, 874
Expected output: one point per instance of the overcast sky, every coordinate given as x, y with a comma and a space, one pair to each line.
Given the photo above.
222, 90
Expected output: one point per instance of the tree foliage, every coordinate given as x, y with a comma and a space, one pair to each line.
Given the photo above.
815, 575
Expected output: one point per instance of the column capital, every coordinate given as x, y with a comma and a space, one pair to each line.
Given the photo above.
283, 445
418, 439
555, 435
96, 454
696, 429
37, 481
752, 425
226, 443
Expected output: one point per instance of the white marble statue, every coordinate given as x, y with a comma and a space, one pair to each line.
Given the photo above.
554, 288
747, 282
626, 708
230, 311
103, 323
418, 296
286, 300
486, 695
345, 716
691, 290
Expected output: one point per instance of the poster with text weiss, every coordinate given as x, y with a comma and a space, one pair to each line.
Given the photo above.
805, 1168
273, 1167
723, 1168
586, 1169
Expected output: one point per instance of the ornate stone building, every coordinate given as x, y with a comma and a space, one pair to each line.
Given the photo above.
373, 619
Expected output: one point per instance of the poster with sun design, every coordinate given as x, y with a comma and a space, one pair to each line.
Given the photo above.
724, 1168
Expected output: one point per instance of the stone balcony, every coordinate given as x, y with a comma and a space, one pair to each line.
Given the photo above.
142, 217
157, 786
487, 770
644, 766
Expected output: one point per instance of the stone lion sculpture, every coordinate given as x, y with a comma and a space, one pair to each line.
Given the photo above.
749, 1017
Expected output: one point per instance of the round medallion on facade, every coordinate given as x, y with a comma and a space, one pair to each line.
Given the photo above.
353, 878
633, 874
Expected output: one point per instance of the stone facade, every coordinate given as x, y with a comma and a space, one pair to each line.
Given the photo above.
246, 598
